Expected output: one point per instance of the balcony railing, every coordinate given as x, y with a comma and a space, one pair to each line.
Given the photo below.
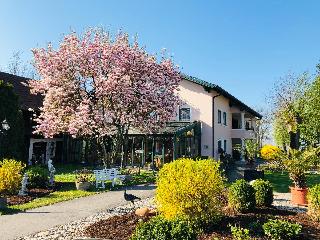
242, 133
246, 128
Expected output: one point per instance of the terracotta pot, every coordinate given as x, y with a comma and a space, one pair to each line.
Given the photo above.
3, 202
299, 196
84, 186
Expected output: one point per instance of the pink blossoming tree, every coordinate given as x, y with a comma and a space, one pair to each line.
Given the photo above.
100, 87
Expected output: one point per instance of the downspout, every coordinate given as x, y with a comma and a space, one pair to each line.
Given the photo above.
213, 123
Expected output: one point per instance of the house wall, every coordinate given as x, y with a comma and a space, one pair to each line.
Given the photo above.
222, 132
200, 103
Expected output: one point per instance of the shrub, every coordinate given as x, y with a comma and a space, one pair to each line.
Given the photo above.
263, 192
281, 230
239, 233
269, 152
159, 228
38, 176
241, 196
314, 202
190, 189
10, 176
251, 149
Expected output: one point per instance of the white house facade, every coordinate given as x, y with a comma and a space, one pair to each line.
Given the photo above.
225, 121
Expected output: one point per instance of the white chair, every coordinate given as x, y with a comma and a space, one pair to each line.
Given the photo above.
114, 176
101, 177
107, 174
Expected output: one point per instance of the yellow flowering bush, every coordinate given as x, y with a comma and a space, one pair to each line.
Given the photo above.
314, 202
10, 175
190, 189
270, 153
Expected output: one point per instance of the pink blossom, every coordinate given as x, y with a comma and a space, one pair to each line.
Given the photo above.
92, 85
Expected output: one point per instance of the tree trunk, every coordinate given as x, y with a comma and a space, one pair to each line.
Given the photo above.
105, 157
294, 140
118, 143
295, 136
125, 148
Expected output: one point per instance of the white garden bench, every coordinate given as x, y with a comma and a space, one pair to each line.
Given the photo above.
107, 174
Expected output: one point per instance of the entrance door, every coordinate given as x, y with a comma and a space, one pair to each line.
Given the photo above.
39, 153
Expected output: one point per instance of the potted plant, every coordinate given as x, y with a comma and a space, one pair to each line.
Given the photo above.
296, 163
83, 179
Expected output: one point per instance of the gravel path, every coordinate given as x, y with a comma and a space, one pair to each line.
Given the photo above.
73, 230
64, 214
282, 201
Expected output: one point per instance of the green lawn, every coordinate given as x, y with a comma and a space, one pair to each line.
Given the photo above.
65, 179
281, 181
52, 198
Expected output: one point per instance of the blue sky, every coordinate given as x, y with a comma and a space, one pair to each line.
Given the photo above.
244, 46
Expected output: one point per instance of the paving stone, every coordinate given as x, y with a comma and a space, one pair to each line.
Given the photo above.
73, 230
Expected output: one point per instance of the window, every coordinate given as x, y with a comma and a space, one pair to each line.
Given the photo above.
249, 125
219, 116
225, 145
219, 146
184, 114
225, 118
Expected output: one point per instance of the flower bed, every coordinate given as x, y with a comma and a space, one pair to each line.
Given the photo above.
254, 221
32, 194
115, 228
121, 227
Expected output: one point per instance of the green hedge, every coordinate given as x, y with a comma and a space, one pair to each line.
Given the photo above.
241, 196
38, 176
159, 228
263, 193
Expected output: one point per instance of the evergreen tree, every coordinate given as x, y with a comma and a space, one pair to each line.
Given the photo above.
11, 140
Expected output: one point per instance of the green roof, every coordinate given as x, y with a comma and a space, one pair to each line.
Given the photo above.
210, 86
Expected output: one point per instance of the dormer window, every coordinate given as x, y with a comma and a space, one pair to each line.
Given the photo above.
184, 114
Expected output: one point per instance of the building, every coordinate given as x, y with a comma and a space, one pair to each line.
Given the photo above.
226, 121
209, 119
37, 148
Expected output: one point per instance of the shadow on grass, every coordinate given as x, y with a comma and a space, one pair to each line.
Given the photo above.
69, 168
135, 187
71, 186
9, 211
65, 186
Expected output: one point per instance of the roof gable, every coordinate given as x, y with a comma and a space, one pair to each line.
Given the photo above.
21, 88
210, 86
